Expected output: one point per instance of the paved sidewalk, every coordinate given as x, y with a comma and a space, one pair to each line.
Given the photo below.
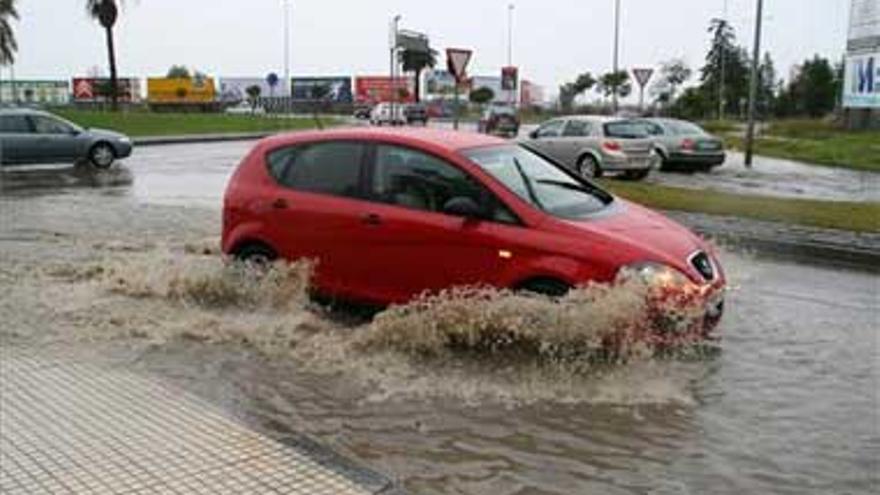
75, 428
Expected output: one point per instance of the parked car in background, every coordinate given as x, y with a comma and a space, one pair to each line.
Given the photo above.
499, 120
363, 111
684, 145
416, 112
389, 214
245, 108
594, 145
37, 137
387, 113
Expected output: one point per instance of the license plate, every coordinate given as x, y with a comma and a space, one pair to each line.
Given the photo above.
708, 146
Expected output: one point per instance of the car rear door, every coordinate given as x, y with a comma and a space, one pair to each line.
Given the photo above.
575, 138
407, 245
316, 207
18, 143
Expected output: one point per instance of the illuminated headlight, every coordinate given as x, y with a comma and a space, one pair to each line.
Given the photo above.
655, 275
125, 140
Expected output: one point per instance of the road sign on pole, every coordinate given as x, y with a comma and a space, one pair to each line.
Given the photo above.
456, 61
642, 77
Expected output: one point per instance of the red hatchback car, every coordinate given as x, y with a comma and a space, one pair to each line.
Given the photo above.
389, 214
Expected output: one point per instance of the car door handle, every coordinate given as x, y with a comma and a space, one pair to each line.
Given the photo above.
371, 219
280, 204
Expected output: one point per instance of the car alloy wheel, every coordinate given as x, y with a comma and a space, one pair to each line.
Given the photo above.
588, 168
102, 156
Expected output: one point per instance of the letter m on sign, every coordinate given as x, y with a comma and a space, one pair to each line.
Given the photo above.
863, 82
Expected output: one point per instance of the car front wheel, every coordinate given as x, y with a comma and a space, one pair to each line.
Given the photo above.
102, 155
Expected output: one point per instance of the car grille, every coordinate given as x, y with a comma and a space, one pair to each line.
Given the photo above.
703, 264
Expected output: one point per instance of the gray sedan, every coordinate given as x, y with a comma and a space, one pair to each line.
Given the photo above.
684, 144
594, 145
35, 137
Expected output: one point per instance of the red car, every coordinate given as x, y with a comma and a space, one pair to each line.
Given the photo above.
389, 214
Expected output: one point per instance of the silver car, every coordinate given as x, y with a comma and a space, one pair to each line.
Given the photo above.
594, 145
683, 144
36, 137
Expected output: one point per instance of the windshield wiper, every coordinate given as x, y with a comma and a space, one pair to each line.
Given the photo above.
528, 182
566, 185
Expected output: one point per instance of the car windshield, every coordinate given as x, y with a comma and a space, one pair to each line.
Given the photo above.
540, 182
625, 129
684, 128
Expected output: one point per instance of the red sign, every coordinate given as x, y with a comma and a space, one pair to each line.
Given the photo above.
456, 61
509, 78
98, 89
377, 89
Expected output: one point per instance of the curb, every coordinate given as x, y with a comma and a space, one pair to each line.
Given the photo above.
195, 139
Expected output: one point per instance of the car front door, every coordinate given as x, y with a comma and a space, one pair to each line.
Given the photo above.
547, 138
18, 143
408, 245
316, 206
56, 140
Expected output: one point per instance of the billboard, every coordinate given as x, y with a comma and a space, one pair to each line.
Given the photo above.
509, 78
234, 89
864, 25
29, 91
531, 94
493, 83
97, 89
335, 89
439, 83
375, 89
180, 90
861, 85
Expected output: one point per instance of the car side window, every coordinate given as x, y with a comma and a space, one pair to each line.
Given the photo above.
416, 180
332, 167
550, 129
654, 129
47, 125
577, 128
15, 124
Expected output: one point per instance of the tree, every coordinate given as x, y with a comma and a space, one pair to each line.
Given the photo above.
482, 95
253, 95
178, 72
8, 45
726, 72
612, 83
693, 104
319, 95
814, 90
767, 86
106, 12
416, 61
568, 92
673, 73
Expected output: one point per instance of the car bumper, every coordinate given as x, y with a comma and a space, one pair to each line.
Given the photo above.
710, 159
623, 164
123, 149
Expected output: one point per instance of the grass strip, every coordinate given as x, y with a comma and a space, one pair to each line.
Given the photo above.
853, 216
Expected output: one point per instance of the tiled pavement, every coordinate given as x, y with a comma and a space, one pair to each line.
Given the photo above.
73, 428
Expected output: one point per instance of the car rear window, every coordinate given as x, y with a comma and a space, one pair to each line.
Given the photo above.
625, 129
332, 168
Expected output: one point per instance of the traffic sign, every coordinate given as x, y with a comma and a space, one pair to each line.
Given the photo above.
272, 79
643, 76
456, 61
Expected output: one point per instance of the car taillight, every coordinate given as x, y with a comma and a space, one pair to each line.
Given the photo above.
611, 145
688, 144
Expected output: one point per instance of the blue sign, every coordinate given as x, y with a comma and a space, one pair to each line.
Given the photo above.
861, 88
333, 89
272, 79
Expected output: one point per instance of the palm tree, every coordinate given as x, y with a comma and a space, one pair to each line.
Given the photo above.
416, 61
106, 12
8, 45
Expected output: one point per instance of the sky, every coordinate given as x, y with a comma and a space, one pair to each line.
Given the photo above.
553, 40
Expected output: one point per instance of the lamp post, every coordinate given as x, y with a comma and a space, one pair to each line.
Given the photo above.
753, 86
392, 63
287, 42
723, 55
616, 50
510, 7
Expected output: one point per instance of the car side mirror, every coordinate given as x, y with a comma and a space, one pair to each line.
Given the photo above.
462, 206
534, 134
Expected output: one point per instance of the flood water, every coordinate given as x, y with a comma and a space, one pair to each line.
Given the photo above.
130, 272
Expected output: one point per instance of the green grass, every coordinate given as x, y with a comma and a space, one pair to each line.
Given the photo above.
812, 141
142, 123
858, 217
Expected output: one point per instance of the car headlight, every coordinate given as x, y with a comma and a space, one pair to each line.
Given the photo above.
655, 275
125, 140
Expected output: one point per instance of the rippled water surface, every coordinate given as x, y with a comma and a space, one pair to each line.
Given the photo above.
788, 405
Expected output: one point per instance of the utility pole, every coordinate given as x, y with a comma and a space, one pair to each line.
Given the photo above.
287, 43
753, 86
723, 55
392, 63
616, 50
510, 95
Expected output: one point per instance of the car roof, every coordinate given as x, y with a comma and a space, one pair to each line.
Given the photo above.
448, 140
22, 111
595, 118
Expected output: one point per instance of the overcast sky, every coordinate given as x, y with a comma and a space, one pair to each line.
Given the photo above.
553, 39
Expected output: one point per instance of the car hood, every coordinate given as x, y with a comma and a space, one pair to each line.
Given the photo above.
641, 234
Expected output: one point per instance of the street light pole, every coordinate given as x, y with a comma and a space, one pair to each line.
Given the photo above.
510, 95
391, 66
287, 42
753, 85
723, 55
616, 50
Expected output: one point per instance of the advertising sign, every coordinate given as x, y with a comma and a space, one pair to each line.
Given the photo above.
375, 89
509, 78
493, 83
97, 89
861, 86
335, 89
531, 94
864, 25
234, 89
439, 83
180, 90
26, 91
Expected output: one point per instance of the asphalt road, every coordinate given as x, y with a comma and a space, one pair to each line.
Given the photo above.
788, 405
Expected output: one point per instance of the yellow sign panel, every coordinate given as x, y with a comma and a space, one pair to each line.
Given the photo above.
180, 90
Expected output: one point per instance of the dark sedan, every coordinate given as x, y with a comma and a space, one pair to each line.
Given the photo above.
36, 137
683, 144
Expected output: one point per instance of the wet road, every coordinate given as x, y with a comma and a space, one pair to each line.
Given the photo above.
789, 405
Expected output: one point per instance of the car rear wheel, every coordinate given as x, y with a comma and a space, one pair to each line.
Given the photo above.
588, 167
637, 174
255, 254
545, 287
102, 155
